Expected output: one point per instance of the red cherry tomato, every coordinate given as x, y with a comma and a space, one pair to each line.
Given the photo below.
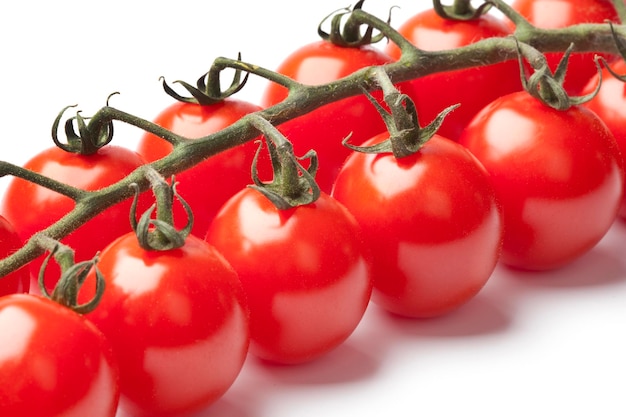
16, 281
474, 87
558, 175
305, 272
432, 222
177, 321
610, 105
206, 186
324, 128
31, 208
554, 14
53, 362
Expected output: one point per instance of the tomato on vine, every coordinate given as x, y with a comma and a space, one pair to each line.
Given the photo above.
53, 361
338, 54
428, 211
87, 163
17, 281
209, 184
550, 14
444, 28
557, 171
610, 105
174, 312
300, 257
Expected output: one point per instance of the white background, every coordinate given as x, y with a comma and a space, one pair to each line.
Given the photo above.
549, 344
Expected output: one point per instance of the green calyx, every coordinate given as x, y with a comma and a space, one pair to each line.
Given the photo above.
461, 10
348, 34
159, 233
208, 89
88, 140
73, 276
406, 136
292, 184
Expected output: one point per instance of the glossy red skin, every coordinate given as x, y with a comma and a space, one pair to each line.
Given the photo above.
206, 186
53, 362
554, 14
610, 105
305, 272
31, 208
558, 175
324, 128
473, 88
432, 221
16, 281
178, 324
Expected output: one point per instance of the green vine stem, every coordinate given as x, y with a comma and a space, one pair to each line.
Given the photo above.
414, 63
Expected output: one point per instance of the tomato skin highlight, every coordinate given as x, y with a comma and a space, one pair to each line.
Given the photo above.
432, 222
206, 186
30, 208
558, 175
53, 362
324, 128
555, 14
305, 271
610, 105
17, 281
473, 87
178, 323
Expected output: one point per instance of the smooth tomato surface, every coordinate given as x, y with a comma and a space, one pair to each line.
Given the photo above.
432, 221
16, 281
53, 362
177, 321
554, 14
610, 105
31, 208
206, 186
323, 129
474, 87
305, 272
558, 175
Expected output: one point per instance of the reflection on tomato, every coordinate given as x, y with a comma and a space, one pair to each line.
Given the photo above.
431, 220
53, 362
557, 173
304, 270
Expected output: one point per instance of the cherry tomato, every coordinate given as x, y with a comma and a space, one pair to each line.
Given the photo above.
474, 87
432, 221
305, 271
206, 186
558, 175
31, 208
16, 281
323, 129
610, 105
53, 362
554, 14
178, 323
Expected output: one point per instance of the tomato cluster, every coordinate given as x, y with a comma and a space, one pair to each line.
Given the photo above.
414, 204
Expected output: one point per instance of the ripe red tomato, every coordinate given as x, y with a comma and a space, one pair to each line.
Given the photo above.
610, 105
206, 186
53, 362
473, 88
16, 281
558, 175
30, 208
324, 128
432, 221
305, 272
178, 323
554, 14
